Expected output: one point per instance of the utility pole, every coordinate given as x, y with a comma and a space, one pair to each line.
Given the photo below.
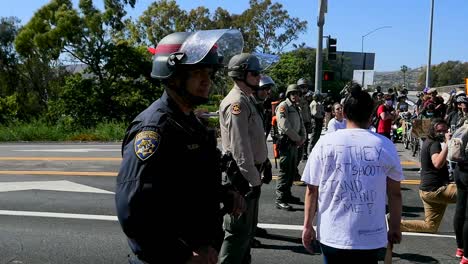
428, 70
319, 58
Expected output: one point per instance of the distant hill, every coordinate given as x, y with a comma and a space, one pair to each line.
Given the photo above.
390, 79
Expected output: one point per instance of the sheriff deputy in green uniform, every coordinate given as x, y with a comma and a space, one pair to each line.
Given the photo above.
243, 135
292, 137
304, 86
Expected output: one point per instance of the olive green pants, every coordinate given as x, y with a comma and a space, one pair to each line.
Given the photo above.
239, 232
288, 171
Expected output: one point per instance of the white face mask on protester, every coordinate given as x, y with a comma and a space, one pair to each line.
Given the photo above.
389, 102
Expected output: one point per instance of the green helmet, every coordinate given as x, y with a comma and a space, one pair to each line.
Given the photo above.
292, 88
242, 63
304, 81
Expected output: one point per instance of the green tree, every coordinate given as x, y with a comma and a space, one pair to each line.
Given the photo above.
292, 66
87, 36
265, 26
84, 35
115, 12
446, 73
40, 43
199, 18
223, 19
9, 72
300, 63
158, 20
404, 69
274, 27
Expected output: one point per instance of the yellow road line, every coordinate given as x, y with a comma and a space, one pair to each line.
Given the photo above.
408, 182
113, 174
60, 159
407, 162
61, 173
411, 182
403, 162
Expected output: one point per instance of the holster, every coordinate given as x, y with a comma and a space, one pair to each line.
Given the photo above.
231, 174
284, 144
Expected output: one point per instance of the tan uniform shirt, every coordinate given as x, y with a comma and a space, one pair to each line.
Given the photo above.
242, 133
290, 121
305, 110
317, 110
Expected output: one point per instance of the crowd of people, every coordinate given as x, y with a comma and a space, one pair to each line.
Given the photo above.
350, 172
442, 180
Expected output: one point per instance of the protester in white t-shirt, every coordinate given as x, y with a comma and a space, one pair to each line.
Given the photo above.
350, 173
338, 122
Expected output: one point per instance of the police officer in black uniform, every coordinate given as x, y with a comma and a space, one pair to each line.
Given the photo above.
169, 190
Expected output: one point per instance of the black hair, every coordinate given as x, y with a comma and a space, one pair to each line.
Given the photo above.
335, 104
434, 123
358, 106
431, 107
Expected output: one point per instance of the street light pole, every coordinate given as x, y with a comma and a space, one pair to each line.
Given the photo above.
428, 70
362, 51
318, 59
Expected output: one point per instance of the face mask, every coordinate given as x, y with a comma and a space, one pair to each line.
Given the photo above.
389, 102
440, 137
429, 114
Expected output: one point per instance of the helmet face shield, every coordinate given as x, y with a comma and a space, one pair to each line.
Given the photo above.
266, 60
212, 48
226, 42
266, 81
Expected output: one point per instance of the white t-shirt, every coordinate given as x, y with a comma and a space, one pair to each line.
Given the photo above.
350, 167
334, 125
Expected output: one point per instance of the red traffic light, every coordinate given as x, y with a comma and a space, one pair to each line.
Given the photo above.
328, 76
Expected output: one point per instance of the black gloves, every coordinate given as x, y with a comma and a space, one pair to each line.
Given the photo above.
267, 173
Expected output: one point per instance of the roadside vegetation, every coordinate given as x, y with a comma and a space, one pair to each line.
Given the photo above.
42, 131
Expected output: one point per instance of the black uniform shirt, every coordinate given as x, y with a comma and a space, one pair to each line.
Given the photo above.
169, 184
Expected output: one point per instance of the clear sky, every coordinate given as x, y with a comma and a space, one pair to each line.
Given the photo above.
405, 43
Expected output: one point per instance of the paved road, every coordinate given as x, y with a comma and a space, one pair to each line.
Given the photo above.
71, 217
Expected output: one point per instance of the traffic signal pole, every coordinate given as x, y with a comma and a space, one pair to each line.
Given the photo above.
319, 57
318, 62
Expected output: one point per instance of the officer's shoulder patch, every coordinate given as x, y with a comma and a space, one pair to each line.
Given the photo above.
282, 109
236, 108
146, 143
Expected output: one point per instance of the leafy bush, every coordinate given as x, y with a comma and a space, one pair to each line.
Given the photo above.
42, 131
31, 131
8, 108
209, 108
